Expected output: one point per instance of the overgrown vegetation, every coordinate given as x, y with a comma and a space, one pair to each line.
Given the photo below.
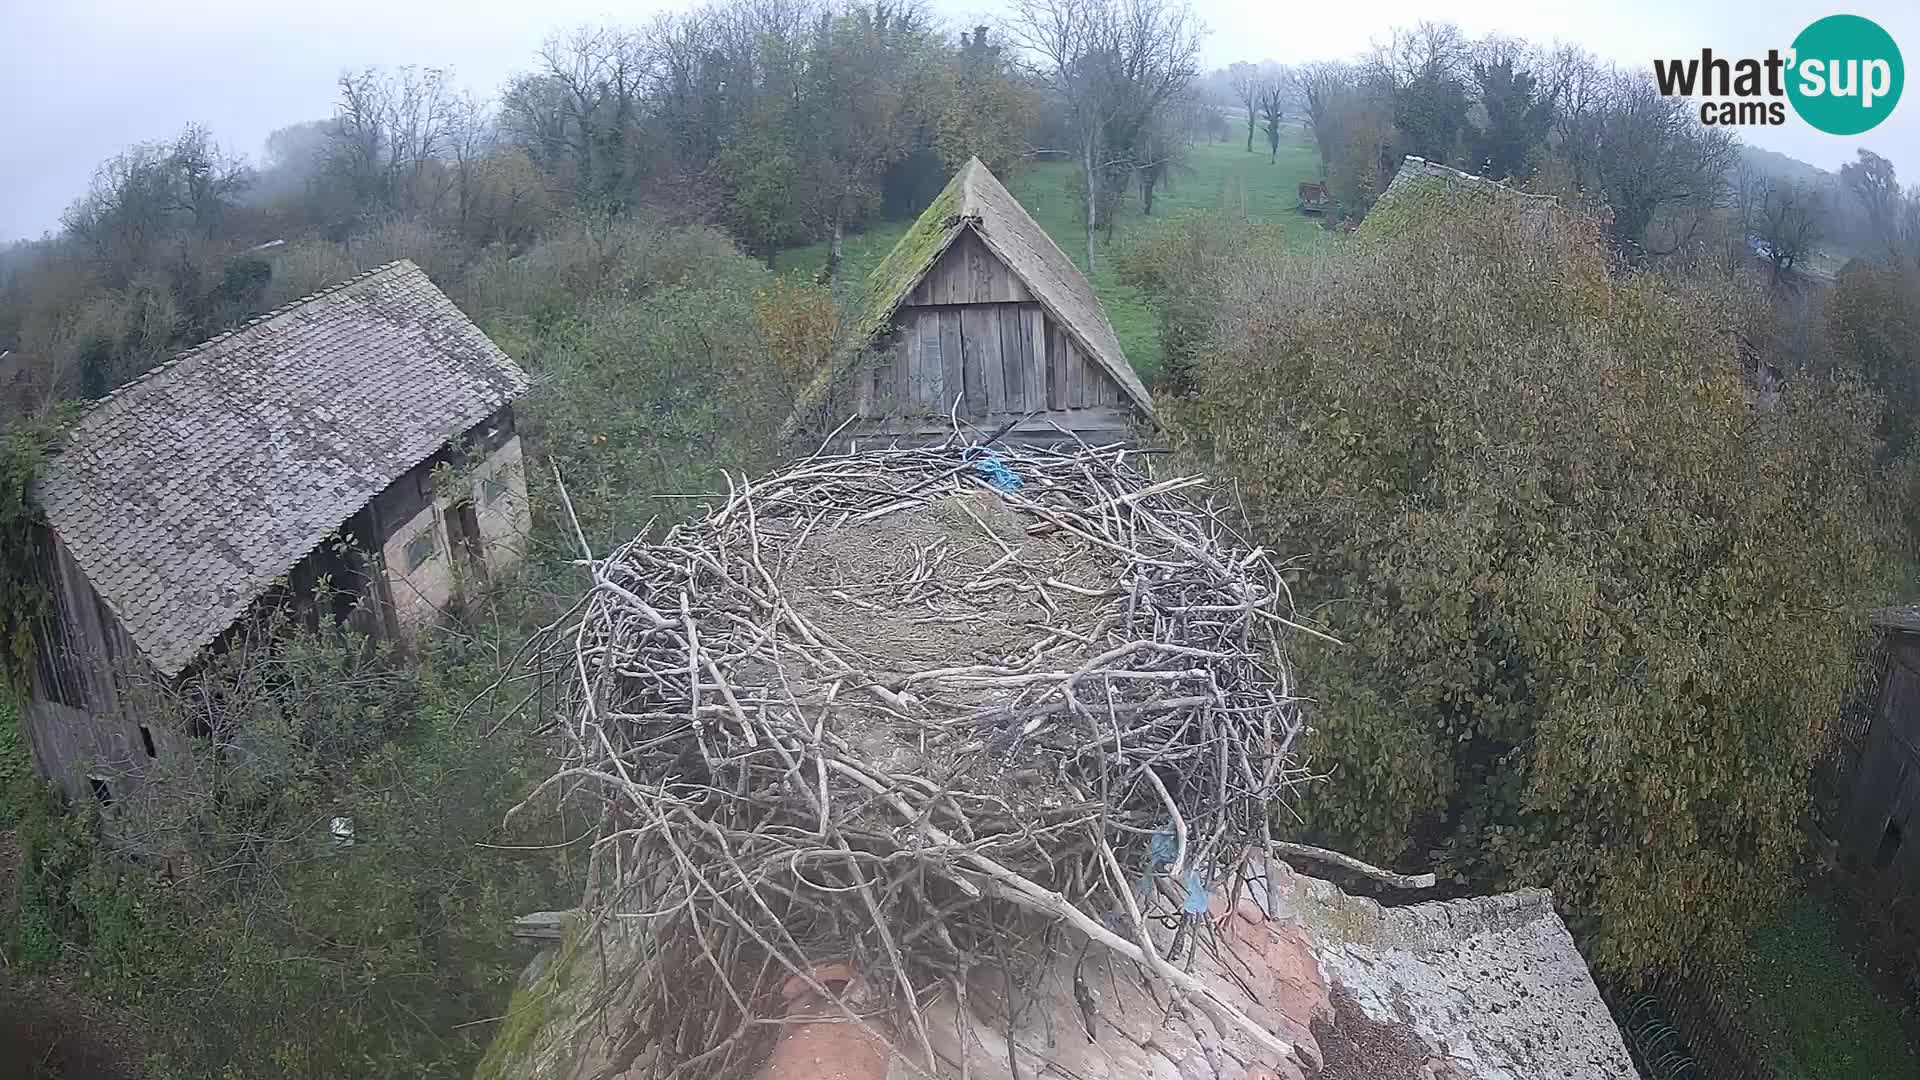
23, 595
224, 914
1596, 607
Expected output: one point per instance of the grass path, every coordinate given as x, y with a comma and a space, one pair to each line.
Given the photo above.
1217, 175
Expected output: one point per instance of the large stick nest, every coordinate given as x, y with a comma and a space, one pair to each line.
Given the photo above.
875, 710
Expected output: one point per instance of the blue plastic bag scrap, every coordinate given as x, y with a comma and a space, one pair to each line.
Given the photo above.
990, 468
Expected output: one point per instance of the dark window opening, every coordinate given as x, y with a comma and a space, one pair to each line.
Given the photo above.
102, 793
146, 740
420, 549
1889, 847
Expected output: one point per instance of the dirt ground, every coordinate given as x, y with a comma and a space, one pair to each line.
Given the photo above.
47, 1031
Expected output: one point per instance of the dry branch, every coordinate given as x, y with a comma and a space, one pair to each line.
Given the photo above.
872, 710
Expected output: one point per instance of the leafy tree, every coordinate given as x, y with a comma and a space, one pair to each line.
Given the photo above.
1873, 320
866, 72
984, 110
1594, 607
1519, 113
1425, 67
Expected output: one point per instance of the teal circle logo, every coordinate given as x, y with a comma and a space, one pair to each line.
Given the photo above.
1846, 75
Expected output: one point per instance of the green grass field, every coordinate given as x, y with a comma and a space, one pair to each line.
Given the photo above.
1217, 176
1821, 1019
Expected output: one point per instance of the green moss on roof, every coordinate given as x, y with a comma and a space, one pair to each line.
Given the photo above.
890, 282
510, 1055
1406, 202
1424, 189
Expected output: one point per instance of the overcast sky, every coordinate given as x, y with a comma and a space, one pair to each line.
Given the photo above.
82, 79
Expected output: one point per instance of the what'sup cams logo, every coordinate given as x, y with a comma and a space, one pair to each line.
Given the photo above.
1843, 76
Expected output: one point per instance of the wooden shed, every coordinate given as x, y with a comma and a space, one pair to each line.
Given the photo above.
977, 315
1876, 789
303, 449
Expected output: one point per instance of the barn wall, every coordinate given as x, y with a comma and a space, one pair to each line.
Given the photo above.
972, 332
410, 509
1881, 824
76, 722
500, 498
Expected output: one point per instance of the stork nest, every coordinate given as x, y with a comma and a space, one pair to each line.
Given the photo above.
878, 713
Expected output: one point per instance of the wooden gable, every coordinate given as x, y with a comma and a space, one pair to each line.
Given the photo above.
973, 330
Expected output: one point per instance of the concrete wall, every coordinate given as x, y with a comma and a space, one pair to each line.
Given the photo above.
418, 594
411, 509
500, 503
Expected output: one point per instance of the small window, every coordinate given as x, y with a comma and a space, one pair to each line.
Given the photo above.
1889, 847
420, 549
102, 792
491, 489
146, 740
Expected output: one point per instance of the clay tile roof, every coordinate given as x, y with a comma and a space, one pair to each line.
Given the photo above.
185, 493
974, 199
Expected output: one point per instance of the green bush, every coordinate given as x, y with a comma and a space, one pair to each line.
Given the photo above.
1180, 261
1596, 607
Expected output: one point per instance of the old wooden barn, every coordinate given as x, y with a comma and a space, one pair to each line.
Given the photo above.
1874, 792
977, 315
303, 449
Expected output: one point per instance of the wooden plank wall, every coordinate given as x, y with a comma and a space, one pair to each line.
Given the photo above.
92, 730
972, 330
969, 274
999, 359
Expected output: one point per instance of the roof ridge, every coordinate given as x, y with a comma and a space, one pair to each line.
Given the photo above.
125, 388
1429, 166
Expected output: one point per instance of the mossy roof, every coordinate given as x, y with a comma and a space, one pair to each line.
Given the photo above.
1423, 187
974, 199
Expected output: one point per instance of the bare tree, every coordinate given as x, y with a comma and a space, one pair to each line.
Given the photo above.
1646, 156
1790, 225
1113, 65
1746, 194
1317, 85
1272, 95
1244, 79
390, 129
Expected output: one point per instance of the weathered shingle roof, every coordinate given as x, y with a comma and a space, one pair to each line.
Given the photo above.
1492, 985
1419, 184
974, 199
185, 493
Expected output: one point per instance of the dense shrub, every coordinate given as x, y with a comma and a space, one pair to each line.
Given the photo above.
219, 909
1596, 607
1180, 262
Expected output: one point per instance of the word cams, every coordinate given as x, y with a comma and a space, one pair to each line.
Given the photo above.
1748, 82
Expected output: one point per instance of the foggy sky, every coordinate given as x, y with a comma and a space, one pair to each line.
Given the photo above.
82, 79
